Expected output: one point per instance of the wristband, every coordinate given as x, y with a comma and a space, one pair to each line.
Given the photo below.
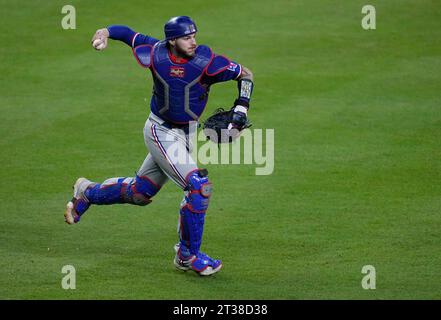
245, 87
240, 108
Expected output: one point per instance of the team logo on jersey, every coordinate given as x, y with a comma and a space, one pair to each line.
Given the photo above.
178, 72
232, 66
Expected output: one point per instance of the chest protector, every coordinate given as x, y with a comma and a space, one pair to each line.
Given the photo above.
178, 95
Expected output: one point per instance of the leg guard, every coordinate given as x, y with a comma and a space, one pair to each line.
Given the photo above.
79, 204
192, 213
137, 191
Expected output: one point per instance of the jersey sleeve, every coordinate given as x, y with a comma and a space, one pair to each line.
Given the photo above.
129, 37
139, 39
232, 72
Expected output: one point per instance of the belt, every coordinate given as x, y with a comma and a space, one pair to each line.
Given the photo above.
168, 124
172, 125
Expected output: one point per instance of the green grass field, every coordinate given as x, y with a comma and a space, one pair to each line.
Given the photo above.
357, 120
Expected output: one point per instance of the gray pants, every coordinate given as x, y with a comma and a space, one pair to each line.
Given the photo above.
170, 153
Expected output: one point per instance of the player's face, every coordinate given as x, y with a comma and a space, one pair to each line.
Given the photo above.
186, 46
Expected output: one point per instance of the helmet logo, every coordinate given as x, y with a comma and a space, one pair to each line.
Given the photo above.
191, 28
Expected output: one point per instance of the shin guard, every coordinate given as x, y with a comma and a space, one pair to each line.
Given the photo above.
192, 213
136, 191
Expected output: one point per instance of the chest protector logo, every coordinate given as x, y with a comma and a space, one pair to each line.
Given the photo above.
177, 72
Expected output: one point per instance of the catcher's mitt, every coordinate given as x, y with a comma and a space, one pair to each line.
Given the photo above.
216, 127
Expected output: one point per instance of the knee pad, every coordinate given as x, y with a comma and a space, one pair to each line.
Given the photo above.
198, 190
139, 191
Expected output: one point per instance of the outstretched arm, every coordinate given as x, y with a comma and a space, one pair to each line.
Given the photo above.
121, 33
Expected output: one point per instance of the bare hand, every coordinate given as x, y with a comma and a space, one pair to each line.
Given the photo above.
99, 40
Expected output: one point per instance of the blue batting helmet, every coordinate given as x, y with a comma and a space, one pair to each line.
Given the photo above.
179, 27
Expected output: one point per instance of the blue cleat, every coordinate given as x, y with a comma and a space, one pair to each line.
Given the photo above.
200, 263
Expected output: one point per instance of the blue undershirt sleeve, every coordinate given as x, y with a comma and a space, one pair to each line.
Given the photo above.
128, 36
121, 33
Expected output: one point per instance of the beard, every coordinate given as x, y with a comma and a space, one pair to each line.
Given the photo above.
184, 53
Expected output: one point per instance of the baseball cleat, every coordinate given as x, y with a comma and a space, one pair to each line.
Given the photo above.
200, 263
79, 203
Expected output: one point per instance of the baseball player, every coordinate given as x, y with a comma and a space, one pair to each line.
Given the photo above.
183, 74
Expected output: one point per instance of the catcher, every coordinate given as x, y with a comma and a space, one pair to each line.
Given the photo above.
183, 73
